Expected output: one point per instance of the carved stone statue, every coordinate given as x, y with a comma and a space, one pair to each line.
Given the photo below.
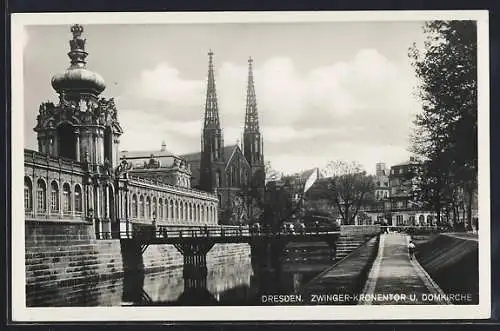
83, 106
123, 167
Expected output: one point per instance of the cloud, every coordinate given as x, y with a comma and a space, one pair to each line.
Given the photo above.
359, 109
165, 84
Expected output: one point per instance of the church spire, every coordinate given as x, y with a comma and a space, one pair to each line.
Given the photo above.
252, 139
211, 107
251, 115
212, 157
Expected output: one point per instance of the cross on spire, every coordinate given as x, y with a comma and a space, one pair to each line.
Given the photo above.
211, 107
251, 115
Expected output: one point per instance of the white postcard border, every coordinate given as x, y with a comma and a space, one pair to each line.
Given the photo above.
278, 313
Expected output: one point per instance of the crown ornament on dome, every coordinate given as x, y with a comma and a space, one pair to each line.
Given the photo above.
77, 78
77, 30
77, 52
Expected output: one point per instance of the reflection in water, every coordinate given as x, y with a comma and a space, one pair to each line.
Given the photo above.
228, 283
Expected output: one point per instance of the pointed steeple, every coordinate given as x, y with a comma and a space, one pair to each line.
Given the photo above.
251, 115
211, 106
252, 139
212, 142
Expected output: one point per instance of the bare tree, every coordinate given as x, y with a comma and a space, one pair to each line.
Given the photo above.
347, 186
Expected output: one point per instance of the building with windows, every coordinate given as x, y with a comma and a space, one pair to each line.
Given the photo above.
397, 205
78, 175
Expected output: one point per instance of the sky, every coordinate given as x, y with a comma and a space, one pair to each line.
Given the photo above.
325, 90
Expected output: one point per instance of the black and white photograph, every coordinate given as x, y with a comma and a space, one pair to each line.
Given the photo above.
263, 166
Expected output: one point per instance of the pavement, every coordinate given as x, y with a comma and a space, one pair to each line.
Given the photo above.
394, 279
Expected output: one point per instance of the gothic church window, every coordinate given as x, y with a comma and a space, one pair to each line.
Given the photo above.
218, 179
28, 195
54, 197
41, 196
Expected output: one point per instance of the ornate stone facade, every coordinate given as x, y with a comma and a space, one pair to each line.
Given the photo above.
77, 176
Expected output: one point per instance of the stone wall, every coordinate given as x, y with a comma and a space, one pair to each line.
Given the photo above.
63, 258
359, 230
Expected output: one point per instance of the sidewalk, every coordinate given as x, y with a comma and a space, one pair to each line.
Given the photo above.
395, 279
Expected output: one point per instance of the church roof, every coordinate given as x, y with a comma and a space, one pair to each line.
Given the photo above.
194, 159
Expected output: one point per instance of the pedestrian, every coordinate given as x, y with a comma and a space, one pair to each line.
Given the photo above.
411, 249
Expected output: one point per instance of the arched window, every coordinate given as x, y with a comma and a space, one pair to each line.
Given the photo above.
148, 208
220, 199
155, 209
141, 206
160, 208
181, 205
203, 214
134, 206
235, 176
429, 219
28, 195
186, 211
54, 197
66, 198
218, 178
41, 196
176, 211
170, 209
78, 199
230, 177
190, 212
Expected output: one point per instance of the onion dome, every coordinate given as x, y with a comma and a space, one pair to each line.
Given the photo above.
77, 77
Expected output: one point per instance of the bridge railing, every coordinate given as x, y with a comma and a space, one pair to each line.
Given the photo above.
414, 229
210, 231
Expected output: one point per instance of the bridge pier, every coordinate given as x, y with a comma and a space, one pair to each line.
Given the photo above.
195, 263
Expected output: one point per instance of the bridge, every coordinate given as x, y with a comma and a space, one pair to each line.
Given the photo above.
194, 242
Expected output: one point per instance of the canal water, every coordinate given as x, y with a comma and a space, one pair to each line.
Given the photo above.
227, 284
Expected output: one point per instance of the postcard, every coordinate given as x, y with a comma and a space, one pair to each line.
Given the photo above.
250, 166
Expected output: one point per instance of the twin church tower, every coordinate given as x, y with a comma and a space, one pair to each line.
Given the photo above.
216, 157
